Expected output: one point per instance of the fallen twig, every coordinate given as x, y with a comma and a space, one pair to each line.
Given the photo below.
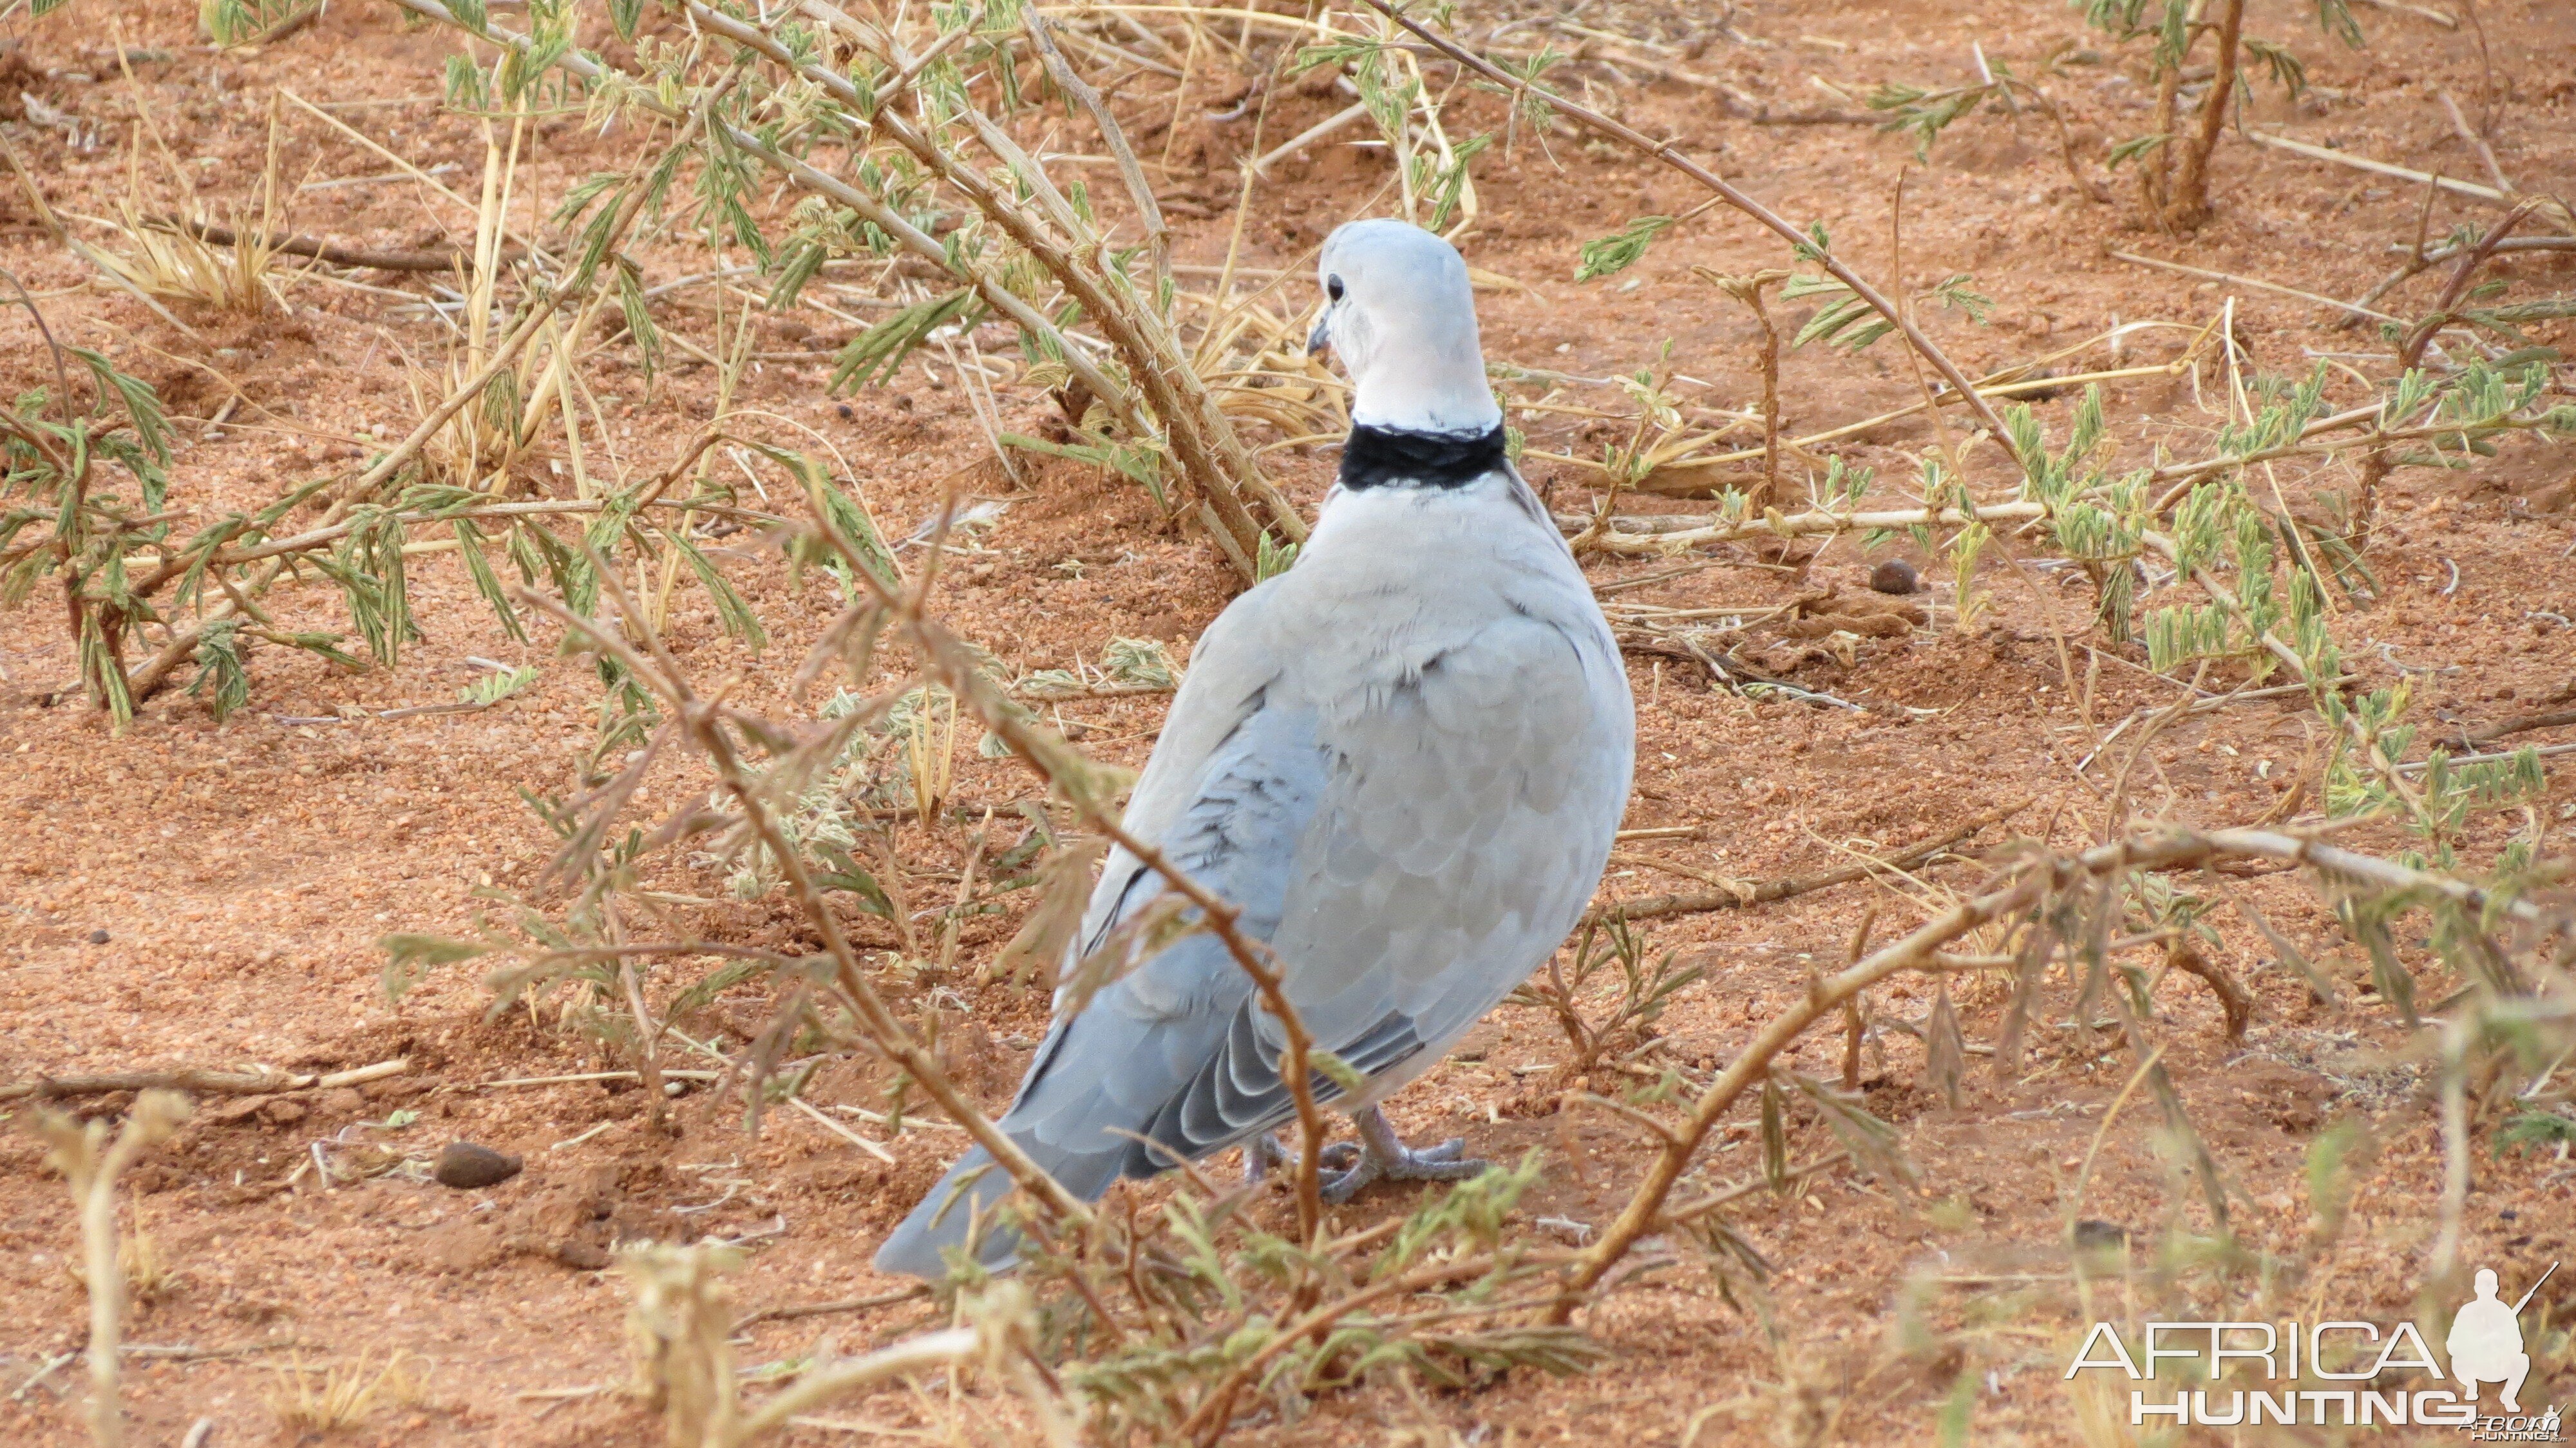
580, 1076
336, 255
1093, 691
1616, 538
944, 1348
1751, 894
843, 1132
190, 1353
2469, 135
2418, 263
2420, 12
2522, 723
206, 1080
821, 1309
2255, 282
2452, 184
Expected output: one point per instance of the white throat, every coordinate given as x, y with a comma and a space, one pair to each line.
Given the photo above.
1425, 380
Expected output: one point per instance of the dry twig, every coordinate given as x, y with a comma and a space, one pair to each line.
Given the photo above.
2032, 882
1749, 894
208, 1080
85, 1154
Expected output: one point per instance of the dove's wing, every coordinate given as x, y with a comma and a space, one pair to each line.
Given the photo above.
1231, 787
1413, 831
1232, 671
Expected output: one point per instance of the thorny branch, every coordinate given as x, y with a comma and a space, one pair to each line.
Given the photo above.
946, 656
885, 1032
2032, 882
1670, 154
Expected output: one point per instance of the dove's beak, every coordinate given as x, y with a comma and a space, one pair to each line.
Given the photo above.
1322, 337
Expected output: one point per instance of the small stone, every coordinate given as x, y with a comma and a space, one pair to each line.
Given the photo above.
2097, 1235
468, 1167
581, 1256
98, 937
1895, 576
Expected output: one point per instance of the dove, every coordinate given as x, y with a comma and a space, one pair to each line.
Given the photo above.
1404, 760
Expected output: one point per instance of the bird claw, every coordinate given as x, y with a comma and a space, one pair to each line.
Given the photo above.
1393, 1161
1264, 1157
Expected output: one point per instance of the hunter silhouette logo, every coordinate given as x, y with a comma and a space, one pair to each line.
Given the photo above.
2486, 1341
2342, 1373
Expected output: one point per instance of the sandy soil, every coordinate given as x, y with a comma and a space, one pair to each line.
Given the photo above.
188, 891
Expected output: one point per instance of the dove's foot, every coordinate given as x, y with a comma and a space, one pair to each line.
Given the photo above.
1382, 1156
1264, 1157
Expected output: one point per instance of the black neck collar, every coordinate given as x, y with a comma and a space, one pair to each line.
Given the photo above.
1383, 457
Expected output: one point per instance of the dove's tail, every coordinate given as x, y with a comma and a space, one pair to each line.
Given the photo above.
964, 1200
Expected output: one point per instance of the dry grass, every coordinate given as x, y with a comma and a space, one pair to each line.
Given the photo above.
150, 1274
166, 256
339, 1397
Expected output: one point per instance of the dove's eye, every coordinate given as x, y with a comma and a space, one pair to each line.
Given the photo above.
1333, 288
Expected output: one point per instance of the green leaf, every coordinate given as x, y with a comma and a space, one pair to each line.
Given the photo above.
1775, 1138
1617, 253
219, 668
1338, 1071
410, 958
2535, 1131
2135, 147
492, 688
715, 983
736, 616
873, 355
1275, 558
1449, 186
847, 874
469, 546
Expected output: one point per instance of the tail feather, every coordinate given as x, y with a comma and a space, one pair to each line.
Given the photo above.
967, 1195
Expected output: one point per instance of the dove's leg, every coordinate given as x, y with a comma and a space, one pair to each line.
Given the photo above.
1262, 1155
1382, 1156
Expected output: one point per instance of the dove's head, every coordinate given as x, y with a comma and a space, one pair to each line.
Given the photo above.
1400, 315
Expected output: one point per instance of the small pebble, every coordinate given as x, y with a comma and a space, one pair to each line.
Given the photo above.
1895, 576
98, 937
2095, 1234
466, 1167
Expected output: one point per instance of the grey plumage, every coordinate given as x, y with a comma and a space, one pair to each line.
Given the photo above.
1405, 759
